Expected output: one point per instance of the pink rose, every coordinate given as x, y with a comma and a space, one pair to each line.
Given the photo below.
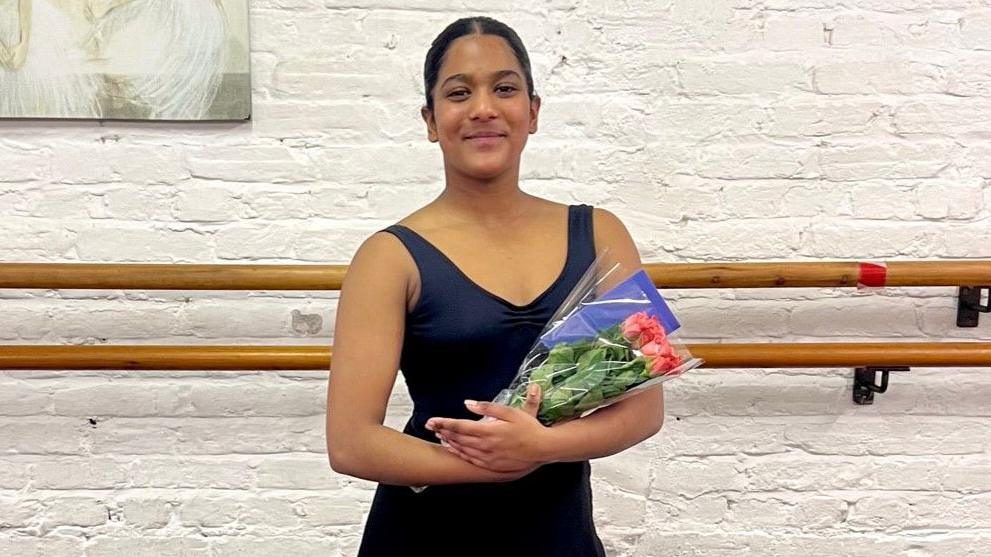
641, 329
632, 326
651, 349
661, 357
660, 366
647, 335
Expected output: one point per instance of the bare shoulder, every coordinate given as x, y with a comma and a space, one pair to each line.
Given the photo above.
607, 224
612, 233
387, 249
384, 257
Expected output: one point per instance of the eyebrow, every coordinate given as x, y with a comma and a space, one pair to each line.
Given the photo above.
495, 75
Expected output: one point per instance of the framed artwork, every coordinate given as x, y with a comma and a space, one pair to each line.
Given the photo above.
125, 59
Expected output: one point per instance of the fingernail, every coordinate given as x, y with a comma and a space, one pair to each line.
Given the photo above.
469, 402
532, 389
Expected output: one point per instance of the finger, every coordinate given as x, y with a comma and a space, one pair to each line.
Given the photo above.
500, 411
476, 443
532, 404
469, 451
466, 427
464, 456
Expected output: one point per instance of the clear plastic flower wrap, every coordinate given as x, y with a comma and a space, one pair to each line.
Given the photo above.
612, 338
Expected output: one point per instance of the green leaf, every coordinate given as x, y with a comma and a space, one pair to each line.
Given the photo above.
579, 376
561, 353
580, 347
591, 400
542, 375
594, 356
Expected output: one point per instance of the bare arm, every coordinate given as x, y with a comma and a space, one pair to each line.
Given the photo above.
392, 457
368, 341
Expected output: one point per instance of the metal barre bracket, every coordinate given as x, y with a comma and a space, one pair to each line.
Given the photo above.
969, 305
864, 386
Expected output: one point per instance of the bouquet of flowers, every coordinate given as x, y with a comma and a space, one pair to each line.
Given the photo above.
609, 340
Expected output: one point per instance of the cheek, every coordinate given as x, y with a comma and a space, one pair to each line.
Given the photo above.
449, 131
521, 117
448, 117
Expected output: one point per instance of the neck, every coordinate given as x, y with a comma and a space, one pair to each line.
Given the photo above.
495, 202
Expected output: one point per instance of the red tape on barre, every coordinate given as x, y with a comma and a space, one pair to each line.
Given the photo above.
872, 274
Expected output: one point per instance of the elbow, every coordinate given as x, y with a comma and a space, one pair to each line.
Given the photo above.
657, 425
349, 464
650, 433
339, 461
348, 455
341, 455
351, 448
341, 445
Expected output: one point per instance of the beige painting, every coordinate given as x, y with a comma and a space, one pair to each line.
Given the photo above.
125, 59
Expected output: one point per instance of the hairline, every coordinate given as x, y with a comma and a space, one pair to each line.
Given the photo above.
476, 28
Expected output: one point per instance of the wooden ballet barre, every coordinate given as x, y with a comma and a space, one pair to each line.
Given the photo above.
813, 274
147, 276
762, 355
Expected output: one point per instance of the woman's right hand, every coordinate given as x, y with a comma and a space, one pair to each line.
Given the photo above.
513, 470
506, 468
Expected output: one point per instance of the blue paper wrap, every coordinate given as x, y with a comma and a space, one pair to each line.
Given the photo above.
635, 294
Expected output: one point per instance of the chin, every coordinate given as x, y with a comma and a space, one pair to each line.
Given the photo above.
486, 172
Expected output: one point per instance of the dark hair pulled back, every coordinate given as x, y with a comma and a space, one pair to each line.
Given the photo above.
478, 25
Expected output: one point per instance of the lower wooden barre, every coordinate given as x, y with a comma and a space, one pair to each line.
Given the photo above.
220, 358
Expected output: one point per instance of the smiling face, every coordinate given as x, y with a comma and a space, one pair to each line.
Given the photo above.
482, 111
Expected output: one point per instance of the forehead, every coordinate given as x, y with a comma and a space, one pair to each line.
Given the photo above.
478, 54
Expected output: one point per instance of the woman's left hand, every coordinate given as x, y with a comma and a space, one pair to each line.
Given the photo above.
513, 438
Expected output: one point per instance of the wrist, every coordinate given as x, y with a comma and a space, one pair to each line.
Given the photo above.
549, 447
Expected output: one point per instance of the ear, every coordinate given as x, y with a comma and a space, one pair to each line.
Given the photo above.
534, 113
428, 117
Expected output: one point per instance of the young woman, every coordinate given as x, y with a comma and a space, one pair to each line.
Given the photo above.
455, 295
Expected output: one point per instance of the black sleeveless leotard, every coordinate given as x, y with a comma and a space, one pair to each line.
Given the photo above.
463, 342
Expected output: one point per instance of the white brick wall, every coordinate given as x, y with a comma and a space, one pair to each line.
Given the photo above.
774, 130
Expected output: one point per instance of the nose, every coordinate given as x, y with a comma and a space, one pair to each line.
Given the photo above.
483, 106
